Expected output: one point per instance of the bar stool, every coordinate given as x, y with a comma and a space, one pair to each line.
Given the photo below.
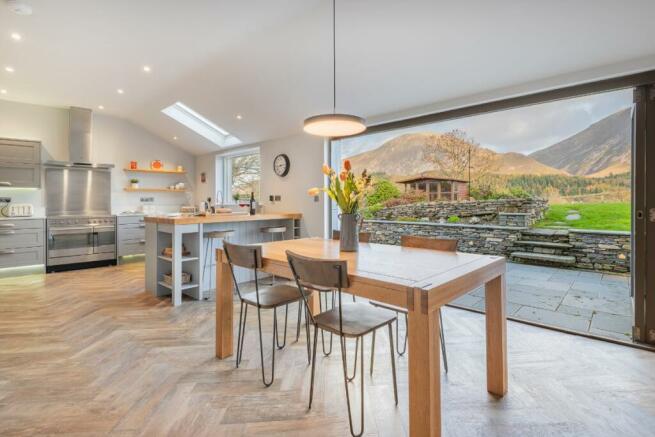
209, 249
274, 231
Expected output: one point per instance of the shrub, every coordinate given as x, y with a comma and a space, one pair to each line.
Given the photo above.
487, 192
370, 211
454, 219
383, 190
406, 199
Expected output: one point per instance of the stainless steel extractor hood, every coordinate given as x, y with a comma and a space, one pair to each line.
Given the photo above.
80, 123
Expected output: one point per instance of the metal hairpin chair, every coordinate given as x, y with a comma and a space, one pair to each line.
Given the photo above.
347, 320
448, 245
272, 297
324, 295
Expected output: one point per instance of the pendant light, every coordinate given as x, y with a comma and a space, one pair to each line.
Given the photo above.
334, 125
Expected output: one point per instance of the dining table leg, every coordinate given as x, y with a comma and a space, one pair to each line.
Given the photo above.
496, 320
424, 370
224, 307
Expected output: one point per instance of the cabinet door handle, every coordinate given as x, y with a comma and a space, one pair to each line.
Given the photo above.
142, 242
7, 225
7, 232
5, 184
7, 252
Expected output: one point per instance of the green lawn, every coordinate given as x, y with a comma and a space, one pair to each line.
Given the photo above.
602, 216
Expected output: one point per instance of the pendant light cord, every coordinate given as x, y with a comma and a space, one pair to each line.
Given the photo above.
334, 56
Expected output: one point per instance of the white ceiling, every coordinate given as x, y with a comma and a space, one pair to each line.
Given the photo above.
270, 60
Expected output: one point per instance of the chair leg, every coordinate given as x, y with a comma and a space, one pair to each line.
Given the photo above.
320, 303
443, 342
404, 349
286, 316
350, 379
372, 352
346, 381
300, 305
309, 359
311, 386
261, 347
242, 332
393, 364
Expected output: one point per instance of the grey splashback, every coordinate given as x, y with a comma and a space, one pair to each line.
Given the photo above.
77, 191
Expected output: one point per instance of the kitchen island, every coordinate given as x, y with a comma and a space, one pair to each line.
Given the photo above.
184, 235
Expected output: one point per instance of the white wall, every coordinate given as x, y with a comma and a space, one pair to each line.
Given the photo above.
306, 155
115, 141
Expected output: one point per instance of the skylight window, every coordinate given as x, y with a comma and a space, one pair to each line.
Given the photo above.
200, 125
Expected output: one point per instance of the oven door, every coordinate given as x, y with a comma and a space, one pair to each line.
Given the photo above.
70, 241
105, 239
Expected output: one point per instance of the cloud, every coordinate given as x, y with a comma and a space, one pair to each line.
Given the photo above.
522, 130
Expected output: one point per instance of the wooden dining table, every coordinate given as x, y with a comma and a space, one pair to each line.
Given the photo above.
420, 280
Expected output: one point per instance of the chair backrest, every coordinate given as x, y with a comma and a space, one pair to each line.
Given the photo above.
364, 237
311, 272
445, 244
246, 256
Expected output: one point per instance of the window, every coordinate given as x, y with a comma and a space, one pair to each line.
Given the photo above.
200, 125
239, 175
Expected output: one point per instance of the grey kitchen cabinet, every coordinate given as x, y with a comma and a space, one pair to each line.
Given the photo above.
22, 242
20, 163
20, 175
131, 235
20, 151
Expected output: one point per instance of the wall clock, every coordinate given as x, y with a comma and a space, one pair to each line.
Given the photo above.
281, 165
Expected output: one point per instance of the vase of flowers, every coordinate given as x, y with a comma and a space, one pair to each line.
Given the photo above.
348, 191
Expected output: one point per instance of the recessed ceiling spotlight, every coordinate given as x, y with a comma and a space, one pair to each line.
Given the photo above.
175, 138
3, 91
147, 68
120, 91
101, 107
239, 117
16, 36
9, 69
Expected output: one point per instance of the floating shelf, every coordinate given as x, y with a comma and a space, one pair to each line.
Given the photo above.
184, 258
184, 286
147, 170
154, 190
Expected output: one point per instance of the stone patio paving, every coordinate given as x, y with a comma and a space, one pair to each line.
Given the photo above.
576, 300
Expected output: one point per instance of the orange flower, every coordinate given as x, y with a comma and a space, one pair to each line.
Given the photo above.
346, 164
314, 191
343, 175
326, 170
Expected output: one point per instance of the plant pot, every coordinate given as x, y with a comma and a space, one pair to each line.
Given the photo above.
349, 236
135, 186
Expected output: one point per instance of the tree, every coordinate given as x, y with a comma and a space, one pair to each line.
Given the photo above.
245, 175
450, 152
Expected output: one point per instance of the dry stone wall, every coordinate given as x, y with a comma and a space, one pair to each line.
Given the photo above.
604, 251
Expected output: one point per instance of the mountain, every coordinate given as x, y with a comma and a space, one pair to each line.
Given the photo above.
403, 156
512, 163
603, 145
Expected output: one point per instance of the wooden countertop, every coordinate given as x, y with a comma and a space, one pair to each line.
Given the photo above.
221, 218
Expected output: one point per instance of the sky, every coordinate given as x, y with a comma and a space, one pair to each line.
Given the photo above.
524, 130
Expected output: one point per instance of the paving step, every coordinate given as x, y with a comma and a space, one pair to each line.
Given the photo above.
549, 244
543, 257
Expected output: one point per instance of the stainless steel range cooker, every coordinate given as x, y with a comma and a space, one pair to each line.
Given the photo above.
78, 242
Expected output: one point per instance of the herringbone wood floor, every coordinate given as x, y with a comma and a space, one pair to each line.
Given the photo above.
90, 353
